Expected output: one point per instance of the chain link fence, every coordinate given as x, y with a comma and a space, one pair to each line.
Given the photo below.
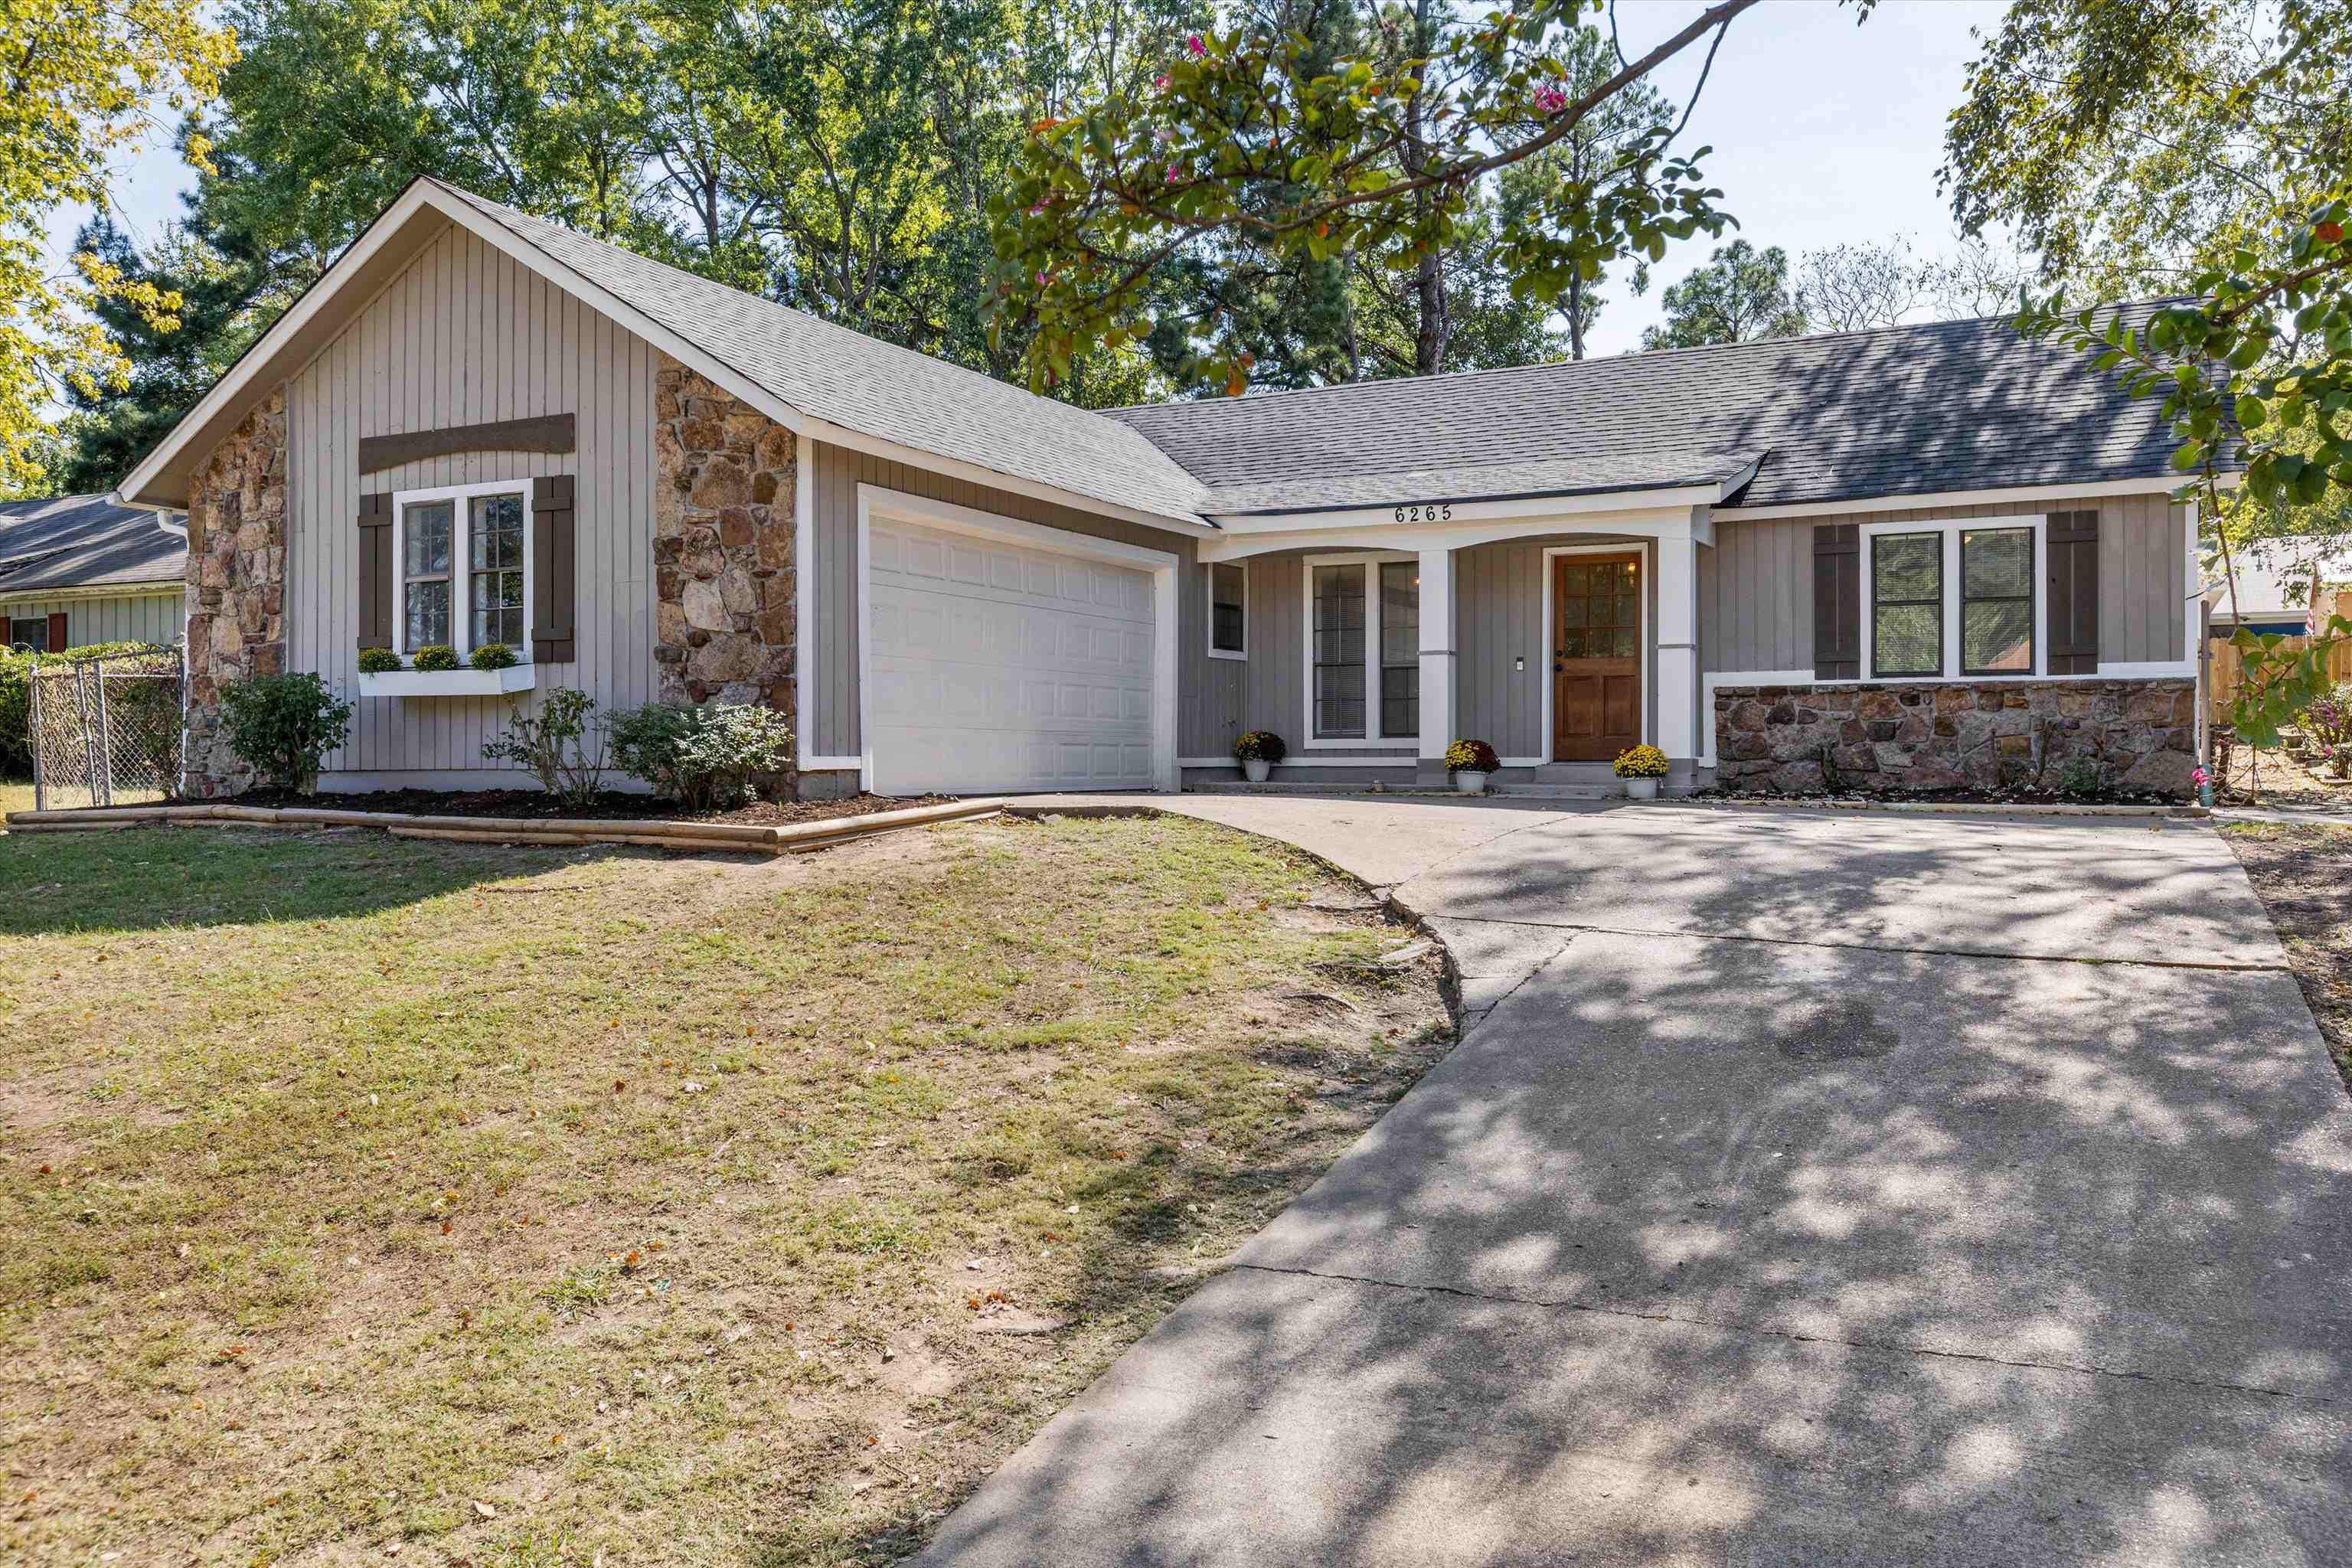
106, 730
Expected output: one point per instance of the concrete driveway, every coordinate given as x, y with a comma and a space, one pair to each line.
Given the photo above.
1809, 1188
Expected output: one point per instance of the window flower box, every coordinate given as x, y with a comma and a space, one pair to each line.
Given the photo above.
448, 683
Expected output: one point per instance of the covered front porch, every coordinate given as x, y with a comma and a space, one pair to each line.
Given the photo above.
1560, 637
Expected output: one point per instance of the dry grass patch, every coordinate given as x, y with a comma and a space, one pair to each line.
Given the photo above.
2304, 873
513, 1206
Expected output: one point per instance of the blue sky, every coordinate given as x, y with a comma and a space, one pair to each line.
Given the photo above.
1823, 131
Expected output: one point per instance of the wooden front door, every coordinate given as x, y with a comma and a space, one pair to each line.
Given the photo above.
1596, 656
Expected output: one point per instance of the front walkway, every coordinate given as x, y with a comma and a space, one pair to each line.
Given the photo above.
1808, 1188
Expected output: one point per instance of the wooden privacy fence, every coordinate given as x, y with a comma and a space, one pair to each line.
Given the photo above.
2227, 665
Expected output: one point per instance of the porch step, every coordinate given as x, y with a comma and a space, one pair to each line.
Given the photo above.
1542, 791
1274, 787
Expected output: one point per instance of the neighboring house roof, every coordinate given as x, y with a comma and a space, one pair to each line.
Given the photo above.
2270, 583
85, 541
879, 389
1954, 406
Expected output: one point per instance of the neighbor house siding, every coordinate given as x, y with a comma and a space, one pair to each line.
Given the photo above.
126, 617
1209, 690
1755, 584
465, 336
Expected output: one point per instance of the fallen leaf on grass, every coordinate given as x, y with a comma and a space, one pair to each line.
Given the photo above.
484, 1509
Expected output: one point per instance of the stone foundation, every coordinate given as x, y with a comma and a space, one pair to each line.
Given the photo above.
724, 620
236, 587
1990, 735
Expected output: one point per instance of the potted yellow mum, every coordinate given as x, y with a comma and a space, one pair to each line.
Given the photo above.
1469, 761
1258, 751
1641, 768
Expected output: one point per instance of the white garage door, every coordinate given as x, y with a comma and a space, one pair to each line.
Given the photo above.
999, 668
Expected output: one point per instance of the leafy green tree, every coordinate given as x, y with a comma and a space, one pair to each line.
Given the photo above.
224, 305
1739, 296
2189, 146
1247, 137
79, 78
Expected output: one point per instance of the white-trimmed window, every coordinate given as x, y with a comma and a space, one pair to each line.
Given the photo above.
1363, 649
1952, 599
464, 558
1228, 609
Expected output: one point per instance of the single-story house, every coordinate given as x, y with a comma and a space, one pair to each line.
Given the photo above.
2275, 594
77, 570
1909, 558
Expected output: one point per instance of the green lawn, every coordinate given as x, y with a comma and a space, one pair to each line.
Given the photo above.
513, 1206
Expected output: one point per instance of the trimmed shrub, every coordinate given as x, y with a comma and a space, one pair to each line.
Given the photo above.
283, 726
705, 758
436, 657
492, 655
378, 661
554, 744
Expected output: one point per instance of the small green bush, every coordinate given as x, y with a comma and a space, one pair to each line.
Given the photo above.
555, 745
2079, 776
283, 726
492, 655
704, 758
378, 661
436, 657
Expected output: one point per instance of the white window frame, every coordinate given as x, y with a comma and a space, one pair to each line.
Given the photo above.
461, 613
1951, 528
1208, 601
1369, 561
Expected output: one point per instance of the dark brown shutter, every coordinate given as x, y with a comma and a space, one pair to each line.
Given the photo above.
553, 593
56, 631
1837, 601
375, 570
2071, 544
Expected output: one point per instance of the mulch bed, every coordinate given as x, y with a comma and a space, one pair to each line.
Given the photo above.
1959, 797
609, 805
2304, 873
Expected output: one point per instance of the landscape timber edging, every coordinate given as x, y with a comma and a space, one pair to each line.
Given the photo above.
800, 838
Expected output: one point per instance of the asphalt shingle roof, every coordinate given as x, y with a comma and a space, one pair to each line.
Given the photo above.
1954, 406
84, 542
877, 388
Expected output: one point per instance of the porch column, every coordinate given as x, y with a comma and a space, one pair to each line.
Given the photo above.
1440, 665
1678, 715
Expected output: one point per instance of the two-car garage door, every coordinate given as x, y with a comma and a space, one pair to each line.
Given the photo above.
999, 667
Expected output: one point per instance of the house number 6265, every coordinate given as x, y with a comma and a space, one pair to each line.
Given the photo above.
1435, 511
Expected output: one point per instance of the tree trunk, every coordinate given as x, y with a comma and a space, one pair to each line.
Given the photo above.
1429, 273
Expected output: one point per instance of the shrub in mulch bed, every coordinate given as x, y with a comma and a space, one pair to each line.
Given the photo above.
608, 805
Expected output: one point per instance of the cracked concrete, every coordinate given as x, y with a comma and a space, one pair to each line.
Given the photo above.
1804, 1189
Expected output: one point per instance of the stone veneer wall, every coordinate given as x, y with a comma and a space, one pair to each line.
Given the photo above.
236, 586
724, 613
1897, 739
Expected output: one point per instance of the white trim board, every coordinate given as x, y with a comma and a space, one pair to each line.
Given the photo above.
2022, 495
923, 512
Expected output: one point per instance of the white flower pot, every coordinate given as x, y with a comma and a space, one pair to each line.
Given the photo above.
1468, 781
1255, 769
1641, 789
